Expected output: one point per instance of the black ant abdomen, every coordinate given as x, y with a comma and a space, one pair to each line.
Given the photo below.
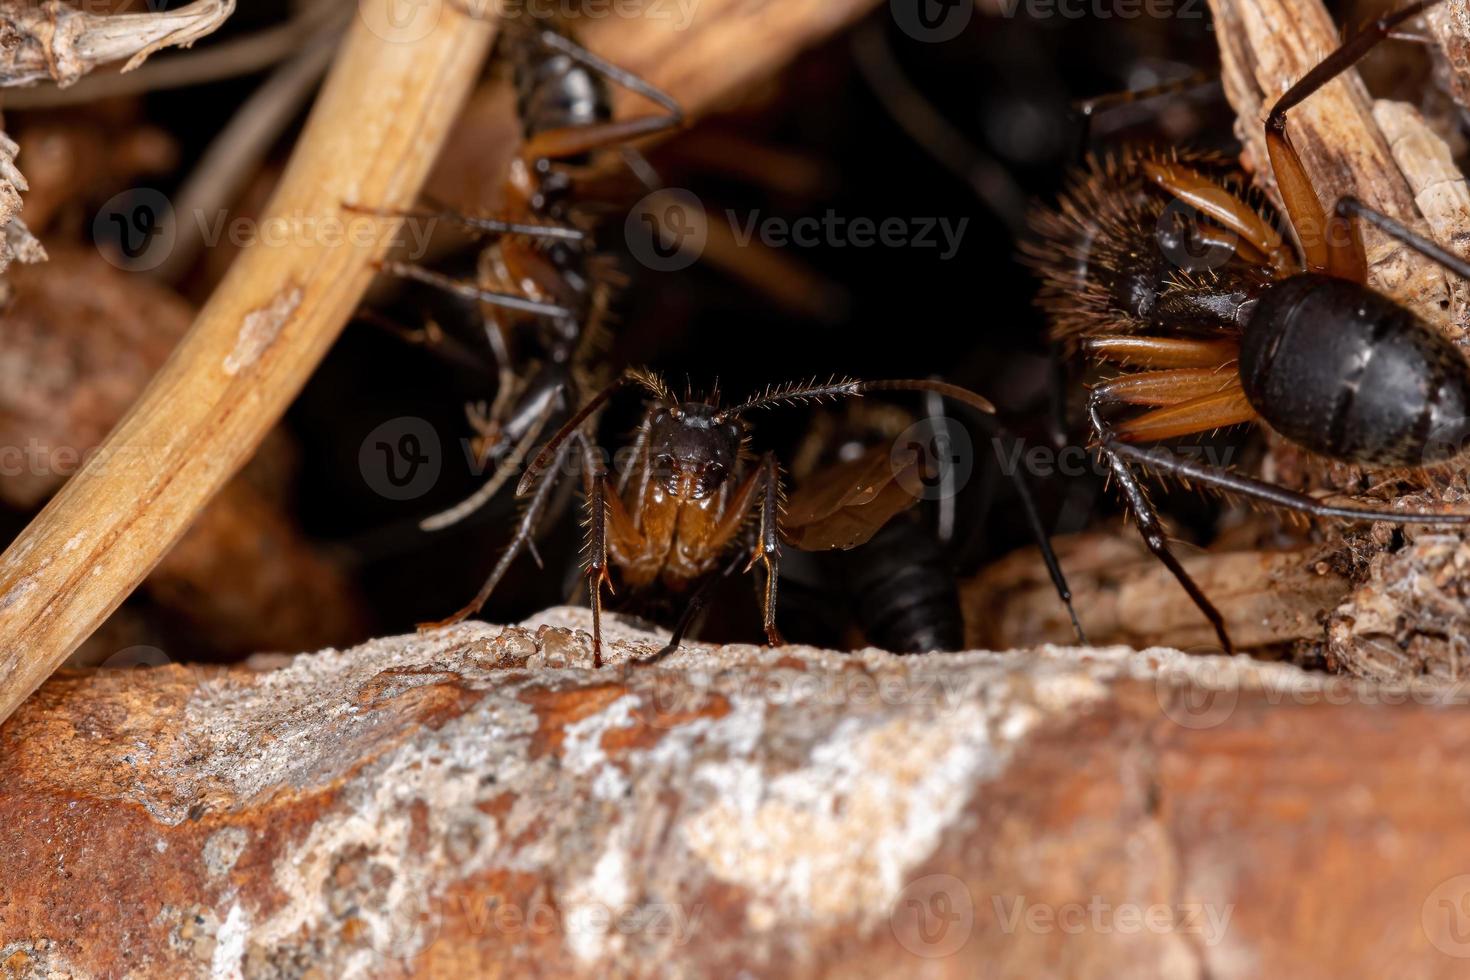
1349, 374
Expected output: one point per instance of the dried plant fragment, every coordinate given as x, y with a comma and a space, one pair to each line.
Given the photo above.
54, 41
18, 244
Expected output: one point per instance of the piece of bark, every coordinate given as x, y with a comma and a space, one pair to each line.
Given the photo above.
1440, 194
1449, 25
17, 244
54, 41
1122, 594
1265, 47
461, 804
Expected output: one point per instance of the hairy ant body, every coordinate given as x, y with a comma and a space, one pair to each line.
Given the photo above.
1297, 342
686, 502
543, 284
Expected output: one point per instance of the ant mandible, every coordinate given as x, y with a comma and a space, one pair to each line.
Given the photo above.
1298, 342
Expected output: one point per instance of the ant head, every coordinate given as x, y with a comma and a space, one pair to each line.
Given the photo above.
693, 448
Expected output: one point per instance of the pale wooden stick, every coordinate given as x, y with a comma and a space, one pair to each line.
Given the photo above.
1265, 47
371, 137
1123, 595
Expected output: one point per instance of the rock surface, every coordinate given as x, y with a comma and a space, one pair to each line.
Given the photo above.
474, 801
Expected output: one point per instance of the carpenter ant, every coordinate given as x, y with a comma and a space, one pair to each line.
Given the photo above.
544, 275
685, 502
1297, 342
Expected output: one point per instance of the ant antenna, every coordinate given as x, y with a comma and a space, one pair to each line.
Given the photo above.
649, 381
794, 393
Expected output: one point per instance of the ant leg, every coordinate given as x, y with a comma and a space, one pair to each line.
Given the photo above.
571, 141
1336, 249
696, 603
595, 478
944, 522
1351, 207
488, 225
636, 458
1036, 525
1269, 493
430, 278
524, 537
1256, 234
767, 550
502, 475
630, 376
1089, 109
1148, 522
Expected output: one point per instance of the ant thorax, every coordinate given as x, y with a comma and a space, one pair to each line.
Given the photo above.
1120, 253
